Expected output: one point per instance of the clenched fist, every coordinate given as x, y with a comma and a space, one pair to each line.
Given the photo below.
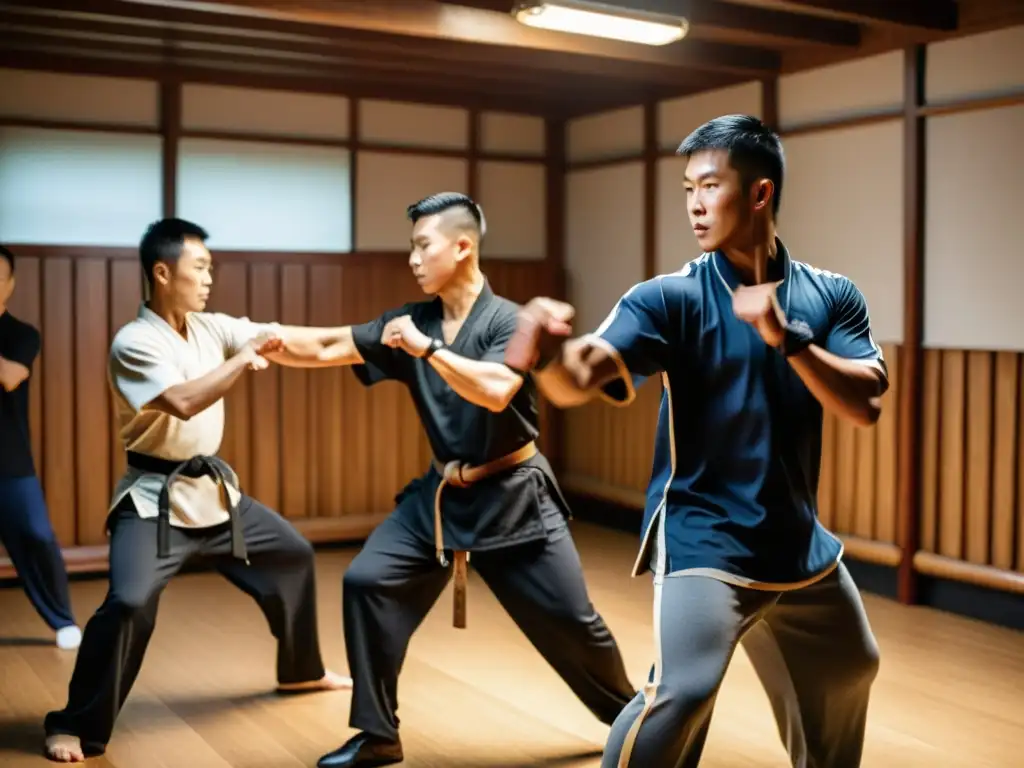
541, 327
759, 306
402, 333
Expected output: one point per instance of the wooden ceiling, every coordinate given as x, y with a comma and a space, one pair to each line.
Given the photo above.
469, 52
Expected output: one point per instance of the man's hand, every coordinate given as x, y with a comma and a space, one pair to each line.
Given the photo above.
402, 333
759, 306
256, 350
543, 324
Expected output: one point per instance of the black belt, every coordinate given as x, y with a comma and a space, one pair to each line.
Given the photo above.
197, 466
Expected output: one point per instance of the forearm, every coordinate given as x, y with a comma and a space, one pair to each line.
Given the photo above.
12, 374
316, 347
190, 398
848, 388
576, 375
489, 385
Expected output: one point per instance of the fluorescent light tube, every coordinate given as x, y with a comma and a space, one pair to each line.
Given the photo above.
599, 20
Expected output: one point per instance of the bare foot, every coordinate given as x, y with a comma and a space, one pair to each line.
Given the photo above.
331, 681
64, 748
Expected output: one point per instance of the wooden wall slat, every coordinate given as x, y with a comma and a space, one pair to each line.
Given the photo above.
58, 317
951, 454
265, 307
886, 447
930, 449
295, 496
326, 467
1004, 450
979, 457
92, 421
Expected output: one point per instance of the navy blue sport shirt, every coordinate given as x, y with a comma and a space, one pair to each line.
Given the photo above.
735, 478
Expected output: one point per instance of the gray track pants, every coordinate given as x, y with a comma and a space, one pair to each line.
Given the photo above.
811, 647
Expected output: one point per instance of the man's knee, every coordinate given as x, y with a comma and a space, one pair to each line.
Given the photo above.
360, 577
861, 666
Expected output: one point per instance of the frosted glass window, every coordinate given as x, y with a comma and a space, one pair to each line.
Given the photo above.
256, 196
78, 187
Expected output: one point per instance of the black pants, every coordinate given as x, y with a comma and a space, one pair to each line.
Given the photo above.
280, 578
394, 581
28, 537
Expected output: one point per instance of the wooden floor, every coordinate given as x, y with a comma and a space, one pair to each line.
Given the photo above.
950, 692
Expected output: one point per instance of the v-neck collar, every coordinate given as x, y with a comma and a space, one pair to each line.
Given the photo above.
731, 279
151, 317
482, 301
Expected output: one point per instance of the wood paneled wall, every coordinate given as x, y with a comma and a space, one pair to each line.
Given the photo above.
314, 444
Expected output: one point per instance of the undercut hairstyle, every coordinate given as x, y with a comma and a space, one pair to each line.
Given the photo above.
465, 214
7, 256
164, 241
755, 150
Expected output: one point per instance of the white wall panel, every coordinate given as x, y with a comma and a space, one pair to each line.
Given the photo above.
974, 261
976, 66
78, 98
266, 197
511, 134
604, 252
677, 118
842, 210
674, 241
859, 87
514, 197
387, 183
268, 112
413, 125
78, 187
619, 133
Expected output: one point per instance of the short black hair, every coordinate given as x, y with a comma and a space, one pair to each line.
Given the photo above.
755, 150
164, 241
8, 256
447, 201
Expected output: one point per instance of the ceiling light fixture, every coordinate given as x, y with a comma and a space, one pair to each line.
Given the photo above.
606, 20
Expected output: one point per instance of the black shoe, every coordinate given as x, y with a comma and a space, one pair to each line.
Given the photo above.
364, 750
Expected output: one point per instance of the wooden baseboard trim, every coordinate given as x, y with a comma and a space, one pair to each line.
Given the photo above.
318, 530
940, 567
868, 551
586, 486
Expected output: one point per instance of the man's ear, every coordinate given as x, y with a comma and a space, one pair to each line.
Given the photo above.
161, 273
761, 195
463, 247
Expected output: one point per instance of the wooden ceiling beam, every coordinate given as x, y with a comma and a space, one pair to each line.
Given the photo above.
940, 15
413, 59
450, 30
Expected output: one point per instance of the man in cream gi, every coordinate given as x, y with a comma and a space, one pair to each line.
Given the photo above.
169, 371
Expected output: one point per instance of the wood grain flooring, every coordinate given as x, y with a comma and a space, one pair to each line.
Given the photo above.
950, 693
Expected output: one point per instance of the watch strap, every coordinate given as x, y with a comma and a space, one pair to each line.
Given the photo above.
798, 337
435, 344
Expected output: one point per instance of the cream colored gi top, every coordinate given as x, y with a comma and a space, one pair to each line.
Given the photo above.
146, 358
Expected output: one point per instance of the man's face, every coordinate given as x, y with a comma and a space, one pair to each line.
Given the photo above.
6, 281
436, 252
187, 283
718, 205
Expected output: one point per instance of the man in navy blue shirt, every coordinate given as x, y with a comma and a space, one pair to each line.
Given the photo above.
751, 346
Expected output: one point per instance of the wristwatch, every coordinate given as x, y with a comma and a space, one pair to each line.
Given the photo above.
797, 337
435, 344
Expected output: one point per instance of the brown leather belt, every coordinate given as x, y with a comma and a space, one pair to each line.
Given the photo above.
462, 475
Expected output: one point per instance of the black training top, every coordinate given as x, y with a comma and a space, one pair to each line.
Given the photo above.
19, 343
498, 511
735, 479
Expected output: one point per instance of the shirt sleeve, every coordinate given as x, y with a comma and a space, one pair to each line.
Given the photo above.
239, 331
502, 329
140, 370
380, 362
637, 333
849, 334
24, 347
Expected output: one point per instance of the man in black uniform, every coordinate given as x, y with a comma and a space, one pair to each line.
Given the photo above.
25, 529
490, 492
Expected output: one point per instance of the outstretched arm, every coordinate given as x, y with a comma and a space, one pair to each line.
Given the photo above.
316, 347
